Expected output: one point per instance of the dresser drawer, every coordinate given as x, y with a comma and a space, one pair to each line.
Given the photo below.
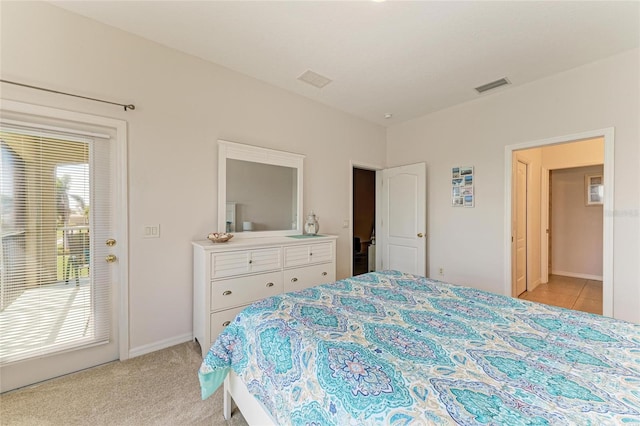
227, 264
310, 276
309, 253
229, 277
244, 290
322, 252
220, 320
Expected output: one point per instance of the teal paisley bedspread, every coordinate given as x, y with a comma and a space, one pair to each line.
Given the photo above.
397, 349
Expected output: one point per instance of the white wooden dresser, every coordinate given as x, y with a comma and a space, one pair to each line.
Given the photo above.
229, 276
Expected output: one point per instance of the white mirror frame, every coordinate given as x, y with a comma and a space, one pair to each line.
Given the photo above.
238, 151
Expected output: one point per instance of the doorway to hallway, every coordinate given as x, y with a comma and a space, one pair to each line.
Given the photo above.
595, 148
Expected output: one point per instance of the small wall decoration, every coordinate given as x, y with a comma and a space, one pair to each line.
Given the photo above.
594, 186
462, 187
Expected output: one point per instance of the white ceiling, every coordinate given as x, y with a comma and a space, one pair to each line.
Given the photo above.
404, 58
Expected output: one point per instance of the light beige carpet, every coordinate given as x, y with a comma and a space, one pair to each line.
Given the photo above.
160, 388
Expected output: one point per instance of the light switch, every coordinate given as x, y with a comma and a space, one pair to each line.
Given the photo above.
345, 223
151, 231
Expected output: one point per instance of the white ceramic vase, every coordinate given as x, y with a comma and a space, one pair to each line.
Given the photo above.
311, 225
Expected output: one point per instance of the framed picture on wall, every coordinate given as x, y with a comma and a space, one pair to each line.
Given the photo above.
594, 189
462, 187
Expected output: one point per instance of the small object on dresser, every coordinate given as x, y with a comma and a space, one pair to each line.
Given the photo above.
219, 237
311, 225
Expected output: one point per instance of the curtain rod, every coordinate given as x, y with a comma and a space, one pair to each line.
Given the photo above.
126, 107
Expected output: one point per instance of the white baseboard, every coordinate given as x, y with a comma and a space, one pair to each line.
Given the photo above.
578, 275
162, 344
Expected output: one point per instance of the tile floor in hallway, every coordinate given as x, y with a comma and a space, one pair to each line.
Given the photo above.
573, 293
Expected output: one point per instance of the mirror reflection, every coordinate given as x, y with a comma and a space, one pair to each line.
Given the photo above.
260, 197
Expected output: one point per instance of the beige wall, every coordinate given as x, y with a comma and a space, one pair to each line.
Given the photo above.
595, 96
183, 106
577, 154
576, 243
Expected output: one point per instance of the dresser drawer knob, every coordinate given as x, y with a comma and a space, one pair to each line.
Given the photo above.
250, 261
324, 274
294, 279
226, 323
227, 293
269, 284
310, 254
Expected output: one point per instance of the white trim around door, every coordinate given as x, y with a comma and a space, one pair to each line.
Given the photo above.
608, 203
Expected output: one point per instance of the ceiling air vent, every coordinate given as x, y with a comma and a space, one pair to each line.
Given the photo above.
492, 85
314, 79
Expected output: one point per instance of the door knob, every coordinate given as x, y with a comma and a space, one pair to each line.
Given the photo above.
111, 258
110, 242
420, 235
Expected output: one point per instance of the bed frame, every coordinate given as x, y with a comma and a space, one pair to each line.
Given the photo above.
236, 391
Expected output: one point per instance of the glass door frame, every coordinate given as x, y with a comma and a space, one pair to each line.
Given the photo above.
14, 112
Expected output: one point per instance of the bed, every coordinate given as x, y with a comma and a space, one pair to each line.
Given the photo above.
393, 348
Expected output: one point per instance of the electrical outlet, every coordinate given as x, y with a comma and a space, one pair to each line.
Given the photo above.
345, 223
441, 271
151, 231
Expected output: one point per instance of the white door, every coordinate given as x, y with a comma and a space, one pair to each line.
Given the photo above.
403, 219
521, 229
58, 292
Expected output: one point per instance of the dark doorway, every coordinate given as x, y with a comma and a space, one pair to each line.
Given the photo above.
364, 219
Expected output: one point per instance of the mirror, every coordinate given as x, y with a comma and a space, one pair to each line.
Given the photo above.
260, 191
